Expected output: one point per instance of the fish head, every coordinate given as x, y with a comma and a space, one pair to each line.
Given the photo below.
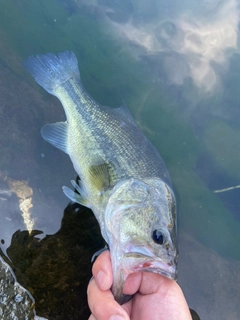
140, 228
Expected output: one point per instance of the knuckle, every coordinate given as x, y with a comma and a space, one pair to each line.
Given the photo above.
98, 309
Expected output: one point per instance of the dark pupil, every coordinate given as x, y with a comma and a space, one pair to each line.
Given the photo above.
158, 237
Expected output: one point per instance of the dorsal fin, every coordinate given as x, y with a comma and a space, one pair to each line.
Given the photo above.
125, 113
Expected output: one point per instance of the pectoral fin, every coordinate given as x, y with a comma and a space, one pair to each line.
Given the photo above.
102, 176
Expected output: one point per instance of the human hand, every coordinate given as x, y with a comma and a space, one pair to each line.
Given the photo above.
156, 297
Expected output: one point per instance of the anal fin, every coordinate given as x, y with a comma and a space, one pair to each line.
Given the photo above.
56, 134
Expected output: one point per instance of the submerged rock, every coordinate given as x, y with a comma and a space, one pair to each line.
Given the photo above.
15, 301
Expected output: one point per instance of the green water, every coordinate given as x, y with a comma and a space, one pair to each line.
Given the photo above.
112, 72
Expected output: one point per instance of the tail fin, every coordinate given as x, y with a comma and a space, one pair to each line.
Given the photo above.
50, 70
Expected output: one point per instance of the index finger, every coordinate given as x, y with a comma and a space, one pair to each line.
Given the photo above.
102, 304
102, 271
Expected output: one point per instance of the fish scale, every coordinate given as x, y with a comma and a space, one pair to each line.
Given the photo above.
108, 133
123, 178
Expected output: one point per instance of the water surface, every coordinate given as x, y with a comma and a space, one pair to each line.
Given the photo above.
177, 67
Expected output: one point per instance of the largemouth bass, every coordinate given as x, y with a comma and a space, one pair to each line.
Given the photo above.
124, 181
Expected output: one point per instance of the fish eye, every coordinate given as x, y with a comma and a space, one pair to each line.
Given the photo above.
158, 237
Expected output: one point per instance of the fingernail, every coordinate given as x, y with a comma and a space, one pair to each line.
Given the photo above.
101, 278
117, 317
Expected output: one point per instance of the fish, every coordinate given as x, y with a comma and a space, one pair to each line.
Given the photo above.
123, 178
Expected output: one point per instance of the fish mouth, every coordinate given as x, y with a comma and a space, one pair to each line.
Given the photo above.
136, 258
144, 260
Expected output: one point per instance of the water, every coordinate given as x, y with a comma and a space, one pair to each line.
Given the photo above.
177, 68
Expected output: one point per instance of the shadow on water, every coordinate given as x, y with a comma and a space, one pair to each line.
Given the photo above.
57, 269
